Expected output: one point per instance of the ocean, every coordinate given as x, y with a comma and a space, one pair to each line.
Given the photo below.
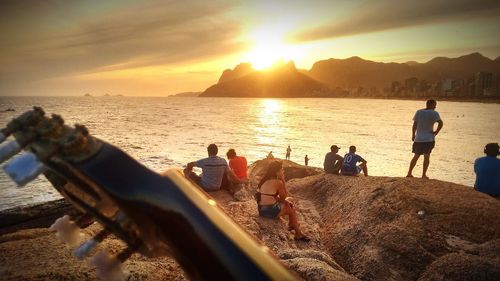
165, 132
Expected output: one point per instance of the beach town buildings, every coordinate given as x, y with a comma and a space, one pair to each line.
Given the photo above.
480, 85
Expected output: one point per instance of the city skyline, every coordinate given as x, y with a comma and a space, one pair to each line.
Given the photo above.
158, 48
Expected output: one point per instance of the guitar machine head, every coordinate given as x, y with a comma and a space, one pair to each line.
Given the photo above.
153, 214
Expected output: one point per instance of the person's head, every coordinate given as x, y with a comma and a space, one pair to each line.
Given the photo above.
430, 104
274, 171
491, 149
231, 153
334, 148
352, 149
212, 149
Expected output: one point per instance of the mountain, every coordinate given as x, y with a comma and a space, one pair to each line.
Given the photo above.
282, 80
240, 70
326, 77
355, 72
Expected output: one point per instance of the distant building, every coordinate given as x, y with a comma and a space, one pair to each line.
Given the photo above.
483, 81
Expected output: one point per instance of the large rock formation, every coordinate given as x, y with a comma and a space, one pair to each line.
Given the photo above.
281, 81
371, 228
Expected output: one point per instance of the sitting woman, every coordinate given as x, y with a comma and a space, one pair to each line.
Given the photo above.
272, 200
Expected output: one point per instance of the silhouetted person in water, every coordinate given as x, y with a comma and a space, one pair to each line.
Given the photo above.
487, 171
306, 160
423, 135
270, 155
288, 150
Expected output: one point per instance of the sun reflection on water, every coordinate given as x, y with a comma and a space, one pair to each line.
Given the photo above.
270, 114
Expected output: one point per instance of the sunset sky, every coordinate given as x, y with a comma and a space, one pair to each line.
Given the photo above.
157, 48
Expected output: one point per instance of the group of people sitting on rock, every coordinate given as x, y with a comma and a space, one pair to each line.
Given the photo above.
216, 173
347, 165
271, 196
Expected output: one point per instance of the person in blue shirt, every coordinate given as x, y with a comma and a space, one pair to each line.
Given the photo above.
350, 165
487, 171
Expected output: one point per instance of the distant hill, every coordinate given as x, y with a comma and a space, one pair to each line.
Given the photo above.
286, 80
283, 80
355, 72
186, 94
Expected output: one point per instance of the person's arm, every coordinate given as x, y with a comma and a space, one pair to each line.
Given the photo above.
440, 125
233, 177
190, 165
282, 191
413, 130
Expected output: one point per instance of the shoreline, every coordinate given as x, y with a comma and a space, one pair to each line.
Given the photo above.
495, 100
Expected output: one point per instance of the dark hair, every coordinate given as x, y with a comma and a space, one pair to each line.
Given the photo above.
492, 149
231, 153
430, 102
271, 172
212, 149
352, 149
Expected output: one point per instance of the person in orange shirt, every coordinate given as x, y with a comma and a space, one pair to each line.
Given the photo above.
238, 164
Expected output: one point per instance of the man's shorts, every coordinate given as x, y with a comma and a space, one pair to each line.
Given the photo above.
353, 173
423, 147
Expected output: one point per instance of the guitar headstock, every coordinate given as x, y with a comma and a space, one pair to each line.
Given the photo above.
154, 214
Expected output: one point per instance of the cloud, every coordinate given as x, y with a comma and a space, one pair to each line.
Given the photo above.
49, 39
373, 16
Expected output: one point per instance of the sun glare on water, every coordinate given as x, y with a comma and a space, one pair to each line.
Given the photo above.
269, 47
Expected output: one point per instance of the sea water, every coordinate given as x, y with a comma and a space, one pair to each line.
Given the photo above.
163, 132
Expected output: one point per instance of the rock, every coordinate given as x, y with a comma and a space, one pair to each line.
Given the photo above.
34, 216
372, 227
367, 228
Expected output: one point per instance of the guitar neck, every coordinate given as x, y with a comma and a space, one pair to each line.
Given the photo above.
155, 214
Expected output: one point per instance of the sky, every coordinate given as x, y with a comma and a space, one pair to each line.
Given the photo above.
159, 48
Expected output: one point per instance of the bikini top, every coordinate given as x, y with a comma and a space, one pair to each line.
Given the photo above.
258, 195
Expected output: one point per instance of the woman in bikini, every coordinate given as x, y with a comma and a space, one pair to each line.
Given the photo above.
273, 203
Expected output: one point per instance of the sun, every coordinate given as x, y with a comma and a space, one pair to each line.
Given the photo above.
268, 48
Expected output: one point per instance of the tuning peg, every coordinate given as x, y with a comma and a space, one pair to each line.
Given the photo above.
108, 267
8, 150
24, 168
90, 244
67, 231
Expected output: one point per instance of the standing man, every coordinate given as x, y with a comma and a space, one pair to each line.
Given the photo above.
306, 160
350, 166
333, 161
423, 135
487, 171
214, 169
288, 150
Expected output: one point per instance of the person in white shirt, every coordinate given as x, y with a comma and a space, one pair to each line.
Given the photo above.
423, 135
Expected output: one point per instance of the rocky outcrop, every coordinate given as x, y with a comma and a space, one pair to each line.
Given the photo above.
381, 228
371, 228
281, 81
